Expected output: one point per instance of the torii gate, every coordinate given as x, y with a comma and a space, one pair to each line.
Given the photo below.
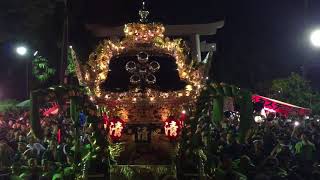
193, 31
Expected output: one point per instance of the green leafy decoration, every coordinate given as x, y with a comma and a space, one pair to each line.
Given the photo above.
41, 69
127, 172
116, 149
71, 69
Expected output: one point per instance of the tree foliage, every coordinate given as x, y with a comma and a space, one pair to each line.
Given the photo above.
41, 69
296, 90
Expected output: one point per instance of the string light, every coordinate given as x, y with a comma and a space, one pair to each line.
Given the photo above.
96, 71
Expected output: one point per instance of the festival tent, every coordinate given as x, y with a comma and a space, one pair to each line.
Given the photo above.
283, 108
6, 105
24, 104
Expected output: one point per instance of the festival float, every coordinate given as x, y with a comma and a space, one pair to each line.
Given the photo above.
147, 87
148, 106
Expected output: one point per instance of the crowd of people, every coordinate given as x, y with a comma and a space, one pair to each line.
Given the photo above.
275, 149
22, 156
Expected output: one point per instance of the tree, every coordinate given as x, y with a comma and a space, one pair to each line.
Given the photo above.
41, 69
296, 90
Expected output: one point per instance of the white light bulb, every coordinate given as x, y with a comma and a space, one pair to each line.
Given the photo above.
21, 50
315, 38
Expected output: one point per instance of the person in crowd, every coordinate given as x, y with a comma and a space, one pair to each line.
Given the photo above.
50, 153
246, 167
258, 153
305, 149
226, 171
232, 146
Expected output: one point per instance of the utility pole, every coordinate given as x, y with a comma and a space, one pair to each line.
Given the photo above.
64, 44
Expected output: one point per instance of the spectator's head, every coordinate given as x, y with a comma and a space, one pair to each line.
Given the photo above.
23, 128
10, 123
45, 164
16, 135
271, 163
32, 162
262, 177
21, 147
223, 136
10, 134
31, 139
304, 136
258, 145
226, 162
21, 138
245, 162
2, 134
230, 138
231, 176
52, 145
214, 162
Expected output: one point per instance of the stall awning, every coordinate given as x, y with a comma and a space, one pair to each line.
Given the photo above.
281, 107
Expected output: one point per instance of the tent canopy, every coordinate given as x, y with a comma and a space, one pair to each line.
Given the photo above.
24, 104
281, 107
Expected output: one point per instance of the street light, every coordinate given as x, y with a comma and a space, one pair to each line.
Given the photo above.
315, 38
21, 50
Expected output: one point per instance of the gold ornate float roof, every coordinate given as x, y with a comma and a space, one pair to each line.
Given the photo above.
140, 37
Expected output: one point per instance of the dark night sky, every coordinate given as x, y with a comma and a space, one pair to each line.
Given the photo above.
261, 40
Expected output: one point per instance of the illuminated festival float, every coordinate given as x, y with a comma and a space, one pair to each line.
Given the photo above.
146, 86
147, 105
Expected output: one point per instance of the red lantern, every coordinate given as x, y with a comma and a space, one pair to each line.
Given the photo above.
172, 127
116, 126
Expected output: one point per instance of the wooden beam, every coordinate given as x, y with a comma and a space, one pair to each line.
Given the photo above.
171, 30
